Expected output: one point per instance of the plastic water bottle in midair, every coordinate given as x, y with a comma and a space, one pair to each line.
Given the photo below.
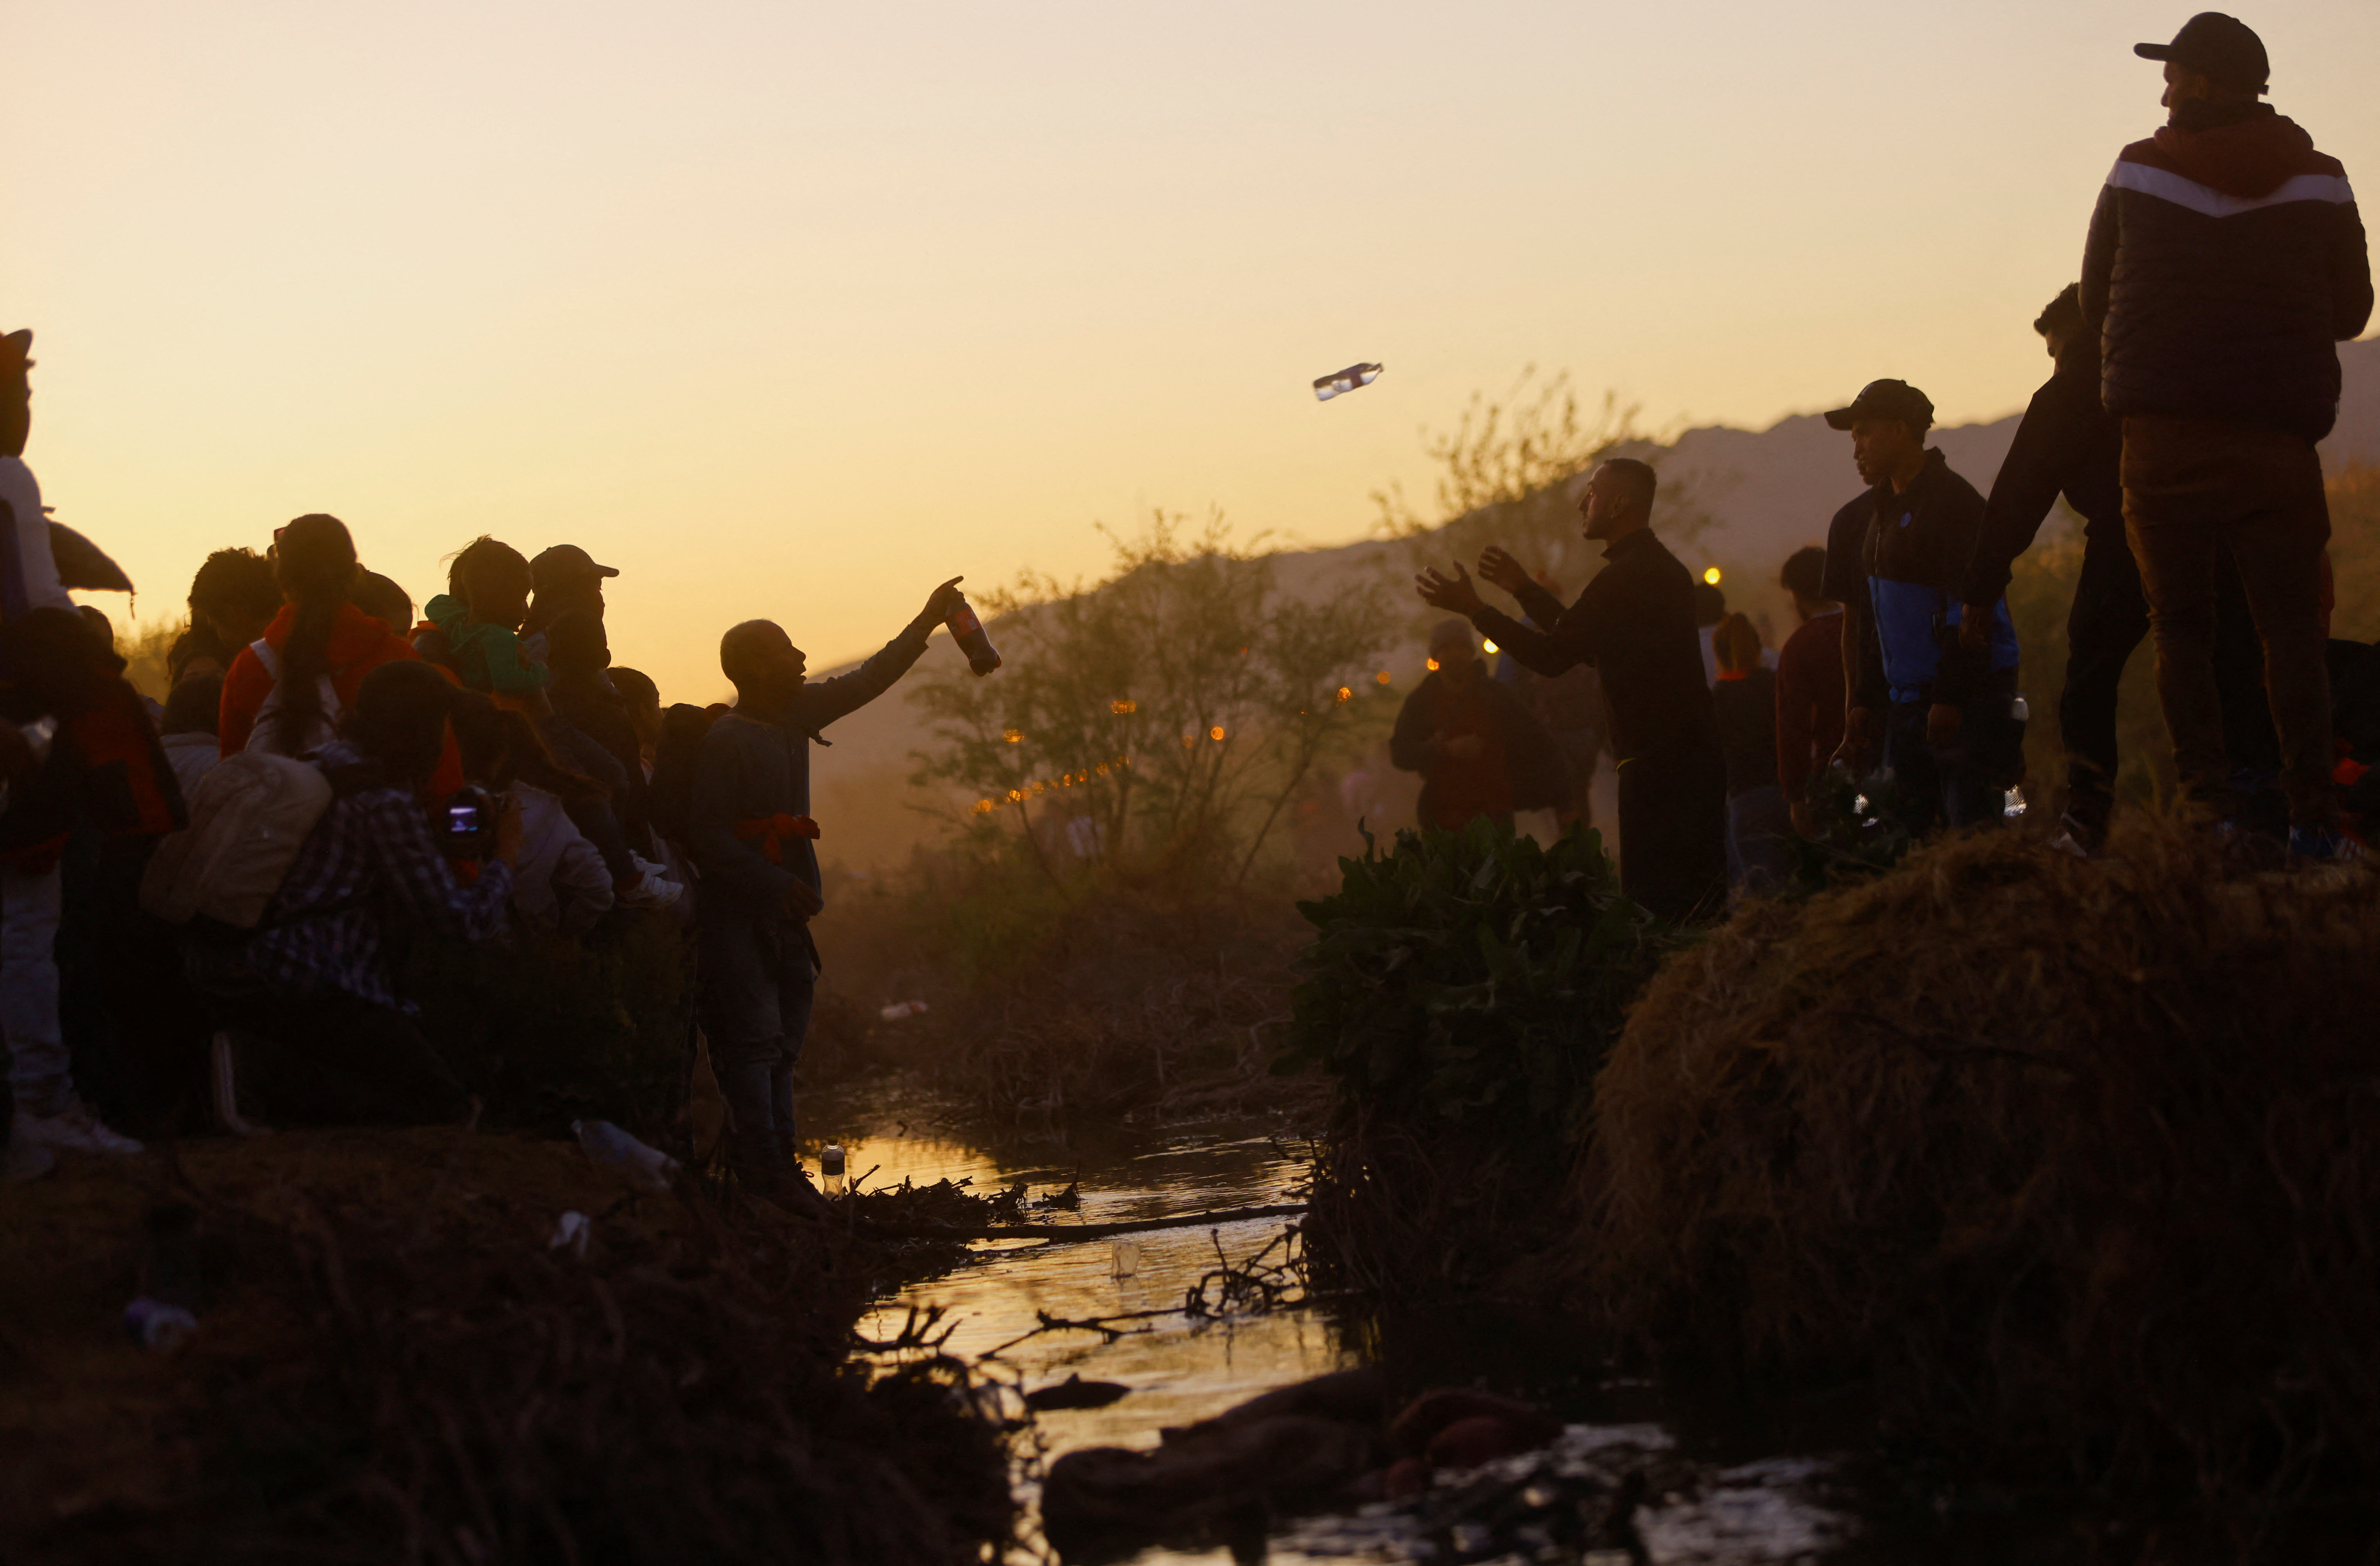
1347, 380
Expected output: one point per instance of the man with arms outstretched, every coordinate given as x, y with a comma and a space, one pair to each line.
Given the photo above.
1636, 625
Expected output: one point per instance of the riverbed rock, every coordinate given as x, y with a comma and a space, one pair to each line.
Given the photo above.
1104, 1500
1359, 1396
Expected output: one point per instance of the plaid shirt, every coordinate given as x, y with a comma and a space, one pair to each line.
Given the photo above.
370, 858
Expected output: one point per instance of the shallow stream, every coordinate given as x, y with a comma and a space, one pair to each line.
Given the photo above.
1763, 1505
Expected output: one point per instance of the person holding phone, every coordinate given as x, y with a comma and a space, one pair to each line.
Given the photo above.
321, 1034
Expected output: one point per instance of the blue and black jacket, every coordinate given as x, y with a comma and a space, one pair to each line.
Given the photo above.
1915, 556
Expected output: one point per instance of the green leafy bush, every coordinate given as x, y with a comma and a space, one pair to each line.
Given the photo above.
1472, 973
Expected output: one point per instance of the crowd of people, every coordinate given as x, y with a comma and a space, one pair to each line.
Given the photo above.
2196, 368
206, 902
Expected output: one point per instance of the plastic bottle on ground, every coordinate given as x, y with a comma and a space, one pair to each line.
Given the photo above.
642, 1168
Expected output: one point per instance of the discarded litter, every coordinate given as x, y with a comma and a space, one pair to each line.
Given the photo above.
642, 1168
900, 1009
831, 1168
1126, 1257
1347, 380
157, 1324
571, 1232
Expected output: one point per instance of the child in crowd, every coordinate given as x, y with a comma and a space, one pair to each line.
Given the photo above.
478, 623
643, 699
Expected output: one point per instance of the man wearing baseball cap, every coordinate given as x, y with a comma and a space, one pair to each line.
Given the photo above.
1896, 558
2225, 261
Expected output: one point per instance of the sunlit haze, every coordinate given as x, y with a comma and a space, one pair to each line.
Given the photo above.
793, 310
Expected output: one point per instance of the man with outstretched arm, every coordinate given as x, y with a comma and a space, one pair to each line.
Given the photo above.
750, 832
1634, 624
2226, 264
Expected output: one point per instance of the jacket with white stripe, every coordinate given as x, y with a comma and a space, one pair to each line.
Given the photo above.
2224, 263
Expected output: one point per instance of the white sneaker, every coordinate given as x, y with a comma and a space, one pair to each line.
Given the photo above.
651, 890
72, 1130
25, 1160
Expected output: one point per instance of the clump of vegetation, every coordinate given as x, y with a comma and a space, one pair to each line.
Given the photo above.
1161, 720
392, 1363
1464, 989
2070, 1160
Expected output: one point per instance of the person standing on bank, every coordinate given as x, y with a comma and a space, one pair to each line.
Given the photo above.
2226, 262
749, 830
1636, 625
2067, 445
1942, 708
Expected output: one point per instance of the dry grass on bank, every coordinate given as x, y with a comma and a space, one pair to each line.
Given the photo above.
2077, 1161
392, 1365
1047, 1010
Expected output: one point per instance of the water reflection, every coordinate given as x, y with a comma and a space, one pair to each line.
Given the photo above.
1181, 1369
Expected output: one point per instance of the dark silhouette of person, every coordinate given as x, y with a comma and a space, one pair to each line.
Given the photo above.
1479, 750
1635, 624
2225, 262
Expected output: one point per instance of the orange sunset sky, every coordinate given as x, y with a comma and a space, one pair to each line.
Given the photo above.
792, 310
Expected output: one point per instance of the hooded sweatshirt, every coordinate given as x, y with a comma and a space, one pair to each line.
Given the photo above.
2225, 261
359, 644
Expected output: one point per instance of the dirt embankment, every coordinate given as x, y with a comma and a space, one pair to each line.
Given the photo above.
392, 1363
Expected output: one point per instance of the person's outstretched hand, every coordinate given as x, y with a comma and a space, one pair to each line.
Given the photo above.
1454, 594
945, 603
508, 831
1500, 569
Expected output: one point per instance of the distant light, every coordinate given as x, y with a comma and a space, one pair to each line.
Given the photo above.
1344, 692
1385, 677
1123, 707
1216, 733
1013, 736
983, 807
1015, 794
1491, 647
1710, 575
1433, 665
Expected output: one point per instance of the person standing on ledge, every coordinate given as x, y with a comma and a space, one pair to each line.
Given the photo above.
2225, 262
1901, 552
1634, 624
749, 828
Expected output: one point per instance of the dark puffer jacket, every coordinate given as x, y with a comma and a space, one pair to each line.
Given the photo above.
2224, 264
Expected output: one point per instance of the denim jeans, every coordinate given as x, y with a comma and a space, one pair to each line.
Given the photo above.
758, 978
1963, 783
2191, 487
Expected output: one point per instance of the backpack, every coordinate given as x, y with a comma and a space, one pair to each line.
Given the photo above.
671, 793
248, 820
265, 735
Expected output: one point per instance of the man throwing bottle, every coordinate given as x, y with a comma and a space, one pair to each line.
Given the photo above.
750, 832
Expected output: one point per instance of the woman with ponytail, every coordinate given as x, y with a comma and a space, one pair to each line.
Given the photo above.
286, 690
